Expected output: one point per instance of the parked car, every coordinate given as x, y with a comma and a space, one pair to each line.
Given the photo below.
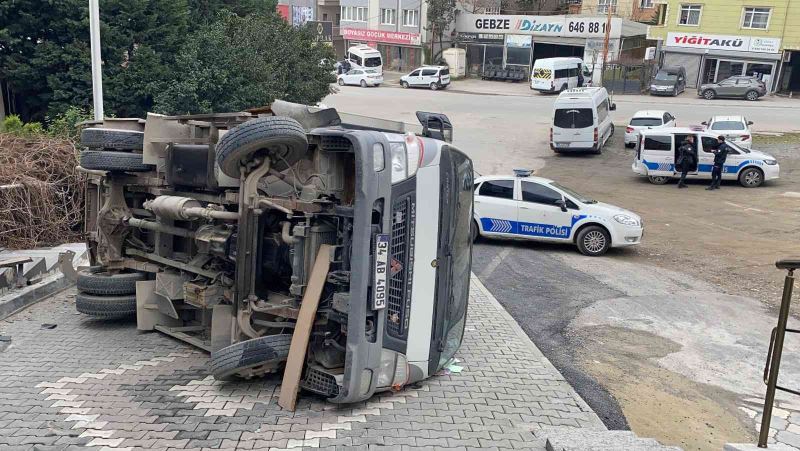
534, 208
644, 120
738, 86
670, 80
657, 154
363, 77
735, 129
433, 77
226, 242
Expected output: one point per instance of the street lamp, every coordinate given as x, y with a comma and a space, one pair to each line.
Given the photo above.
97, 63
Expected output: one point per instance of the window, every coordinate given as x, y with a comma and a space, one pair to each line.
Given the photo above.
388, 16
646, 4
324, 16
602, 6
354, 13
667, 117
428, 72
372, 61
534, 192
655, 142
646, 122
690, 15
503, 189
410, 18
602, 111
573, 118
414, 74
757, 18
728, 125
444, 71
709, 143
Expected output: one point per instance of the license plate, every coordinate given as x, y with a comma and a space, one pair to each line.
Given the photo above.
562, 144
379, 291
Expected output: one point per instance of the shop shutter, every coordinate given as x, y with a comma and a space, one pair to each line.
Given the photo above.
689, 62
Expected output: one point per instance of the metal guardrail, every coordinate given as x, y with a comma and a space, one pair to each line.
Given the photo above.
775, 351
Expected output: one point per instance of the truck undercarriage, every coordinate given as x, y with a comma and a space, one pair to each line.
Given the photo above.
208, 228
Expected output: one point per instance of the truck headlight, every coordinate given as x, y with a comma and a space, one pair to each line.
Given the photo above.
770, 162
406, 157
627, 220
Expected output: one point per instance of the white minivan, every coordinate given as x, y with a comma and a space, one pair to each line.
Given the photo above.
365, 57
581, 120
559, 74
657, 152
433, 77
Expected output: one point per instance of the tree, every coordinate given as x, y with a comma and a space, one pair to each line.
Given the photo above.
205, 11
238, 62
441, 14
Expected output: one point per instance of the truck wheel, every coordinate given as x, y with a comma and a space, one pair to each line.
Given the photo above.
106, 307
99, 281
709, 94
280, 138
593, 241
113, 161
751, 178
658, 179
250, 358
751, 96
109, 138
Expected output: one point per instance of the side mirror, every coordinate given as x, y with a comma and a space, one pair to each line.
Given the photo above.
704, 123
749, 122
563, 204
613, 107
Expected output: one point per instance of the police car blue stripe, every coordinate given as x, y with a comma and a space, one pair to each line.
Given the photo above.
529, 228
728, 169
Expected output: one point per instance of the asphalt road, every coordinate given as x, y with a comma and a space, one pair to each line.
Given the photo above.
544, 295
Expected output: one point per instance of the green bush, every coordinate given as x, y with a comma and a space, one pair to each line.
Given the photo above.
65, 125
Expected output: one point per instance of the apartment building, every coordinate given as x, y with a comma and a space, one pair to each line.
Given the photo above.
644, 11
714, 39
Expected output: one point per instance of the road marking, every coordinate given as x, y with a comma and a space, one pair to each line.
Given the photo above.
495, 262
744, 207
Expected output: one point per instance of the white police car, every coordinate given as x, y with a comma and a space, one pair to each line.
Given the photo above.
535, 208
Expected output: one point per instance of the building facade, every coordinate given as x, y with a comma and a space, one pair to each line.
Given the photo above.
519, 40
715, 39
644, 11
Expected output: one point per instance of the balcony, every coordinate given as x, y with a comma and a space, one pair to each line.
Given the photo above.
328, 3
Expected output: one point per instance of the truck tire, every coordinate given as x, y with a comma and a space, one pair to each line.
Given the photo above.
109, 138
106, 307
113, 161
251, 357
101, 282
283, 139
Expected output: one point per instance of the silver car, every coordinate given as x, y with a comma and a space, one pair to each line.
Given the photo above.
738, 86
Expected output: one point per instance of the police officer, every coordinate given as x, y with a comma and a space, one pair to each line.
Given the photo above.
687, 159
720, 155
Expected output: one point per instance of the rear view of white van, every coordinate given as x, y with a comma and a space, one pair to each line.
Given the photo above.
559, 74
581, 120
365, 57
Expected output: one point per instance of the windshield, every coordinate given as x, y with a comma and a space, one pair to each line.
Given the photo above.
580, 198
372, 61
645, 122
737, 147
727, 125
666, 76
573, 118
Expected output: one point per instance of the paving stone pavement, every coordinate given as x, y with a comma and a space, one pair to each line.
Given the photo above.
785, 424
104, 385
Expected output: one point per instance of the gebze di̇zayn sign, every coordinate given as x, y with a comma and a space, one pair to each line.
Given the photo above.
723, 42
536, 25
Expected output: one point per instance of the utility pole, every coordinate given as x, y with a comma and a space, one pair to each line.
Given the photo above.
605, 41
97, 62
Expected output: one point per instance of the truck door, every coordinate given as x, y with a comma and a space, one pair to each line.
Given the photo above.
454, 258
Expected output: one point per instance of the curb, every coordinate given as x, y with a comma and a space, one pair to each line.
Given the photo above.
527, 340
19, 300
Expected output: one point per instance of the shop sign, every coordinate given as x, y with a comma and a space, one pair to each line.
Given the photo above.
323, 31
384, 37
483, 38
566, 26
723, 42
598, 45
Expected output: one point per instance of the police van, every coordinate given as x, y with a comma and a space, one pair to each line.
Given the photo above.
657, 152
534, 208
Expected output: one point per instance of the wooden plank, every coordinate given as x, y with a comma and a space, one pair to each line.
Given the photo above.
302, 331
14, 261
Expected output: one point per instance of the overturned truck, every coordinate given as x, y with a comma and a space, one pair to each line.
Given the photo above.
216, 229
